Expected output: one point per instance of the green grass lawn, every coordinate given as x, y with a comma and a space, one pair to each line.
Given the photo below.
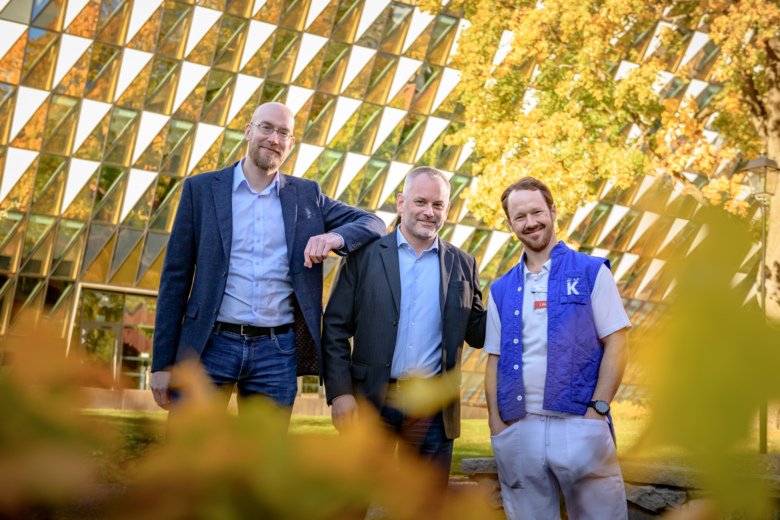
140, 431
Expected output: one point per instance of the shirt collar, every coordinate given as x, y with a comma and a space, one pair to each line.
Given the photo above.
401, 240
545, 268
239, 178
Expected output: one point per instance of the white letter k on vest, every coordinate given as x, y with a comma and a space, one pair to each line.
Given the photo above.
571, 286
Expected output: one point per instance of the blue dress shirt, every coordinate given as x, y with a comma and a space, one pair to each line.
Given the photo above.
418, 344
259, 287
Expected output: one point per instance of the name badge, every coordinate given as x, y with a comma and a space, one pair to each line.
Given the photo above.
541, 304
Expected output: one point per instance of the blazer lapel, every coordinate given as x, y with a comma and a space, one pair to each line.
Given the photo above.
288, 196
389, 253
222, 190
446, 257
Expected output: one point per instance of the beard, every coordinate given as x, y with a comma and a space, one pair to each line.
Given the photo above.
266, 159
424, 233
536, 244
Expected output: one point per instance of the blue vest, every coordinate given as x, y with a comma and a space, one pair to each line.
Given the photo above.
574, 350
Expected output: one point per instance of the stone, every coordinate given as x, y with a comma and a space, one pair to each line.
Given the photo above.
655, 498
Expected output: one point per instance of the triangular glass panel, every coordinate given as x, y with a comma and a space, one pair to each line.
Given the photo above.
57, 305
134, 95
217, 100
146, 37
320, 116
41, 56
371, 181
109, 207
37, 227
335, 61
373, 35
98, 241
37, 262
366, 128
178, 147
28, 300
112, 21
381, 78
49, 203
11, 63
173, 30
61, 125
48, 167
92, 147
153, 247
17, 11
294, 15
30, 137
7, 103
323, 24
325, 171
20, 196
11, 247
127, 240
47, 14
139, 215
85, 22
127, 272
80, 207
233, 148
283, 56
121, 136
230, 43
103, 70
270, 11
162, 219
203, 52
67, 264
348, 17
150, 277
395, 28
444, 30
258, 63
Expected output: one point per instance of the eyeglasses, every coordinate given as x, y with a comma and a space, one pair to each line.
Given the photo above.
266, 129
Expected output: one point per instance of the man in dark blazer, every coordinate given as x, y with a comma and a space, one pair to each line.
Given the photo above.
241, 285
408, 300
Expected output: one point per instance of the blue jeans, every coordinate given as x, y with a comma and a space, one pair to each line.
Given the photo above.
259, 365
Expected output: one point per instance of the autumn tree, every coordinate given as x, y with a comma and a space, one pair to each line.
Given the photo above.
576, 92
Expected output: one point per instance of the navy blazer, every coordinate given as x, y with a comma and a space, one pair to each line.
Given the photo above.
195, 270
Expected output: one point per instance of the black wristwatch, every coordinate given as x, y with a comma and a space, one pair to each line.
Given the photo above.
602, 407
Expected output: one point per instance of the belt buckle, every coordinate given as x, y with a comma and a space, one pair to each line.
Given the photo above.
241, 330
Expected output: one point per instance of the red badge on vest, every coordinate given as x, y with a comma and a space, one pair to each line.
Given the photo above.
541, 304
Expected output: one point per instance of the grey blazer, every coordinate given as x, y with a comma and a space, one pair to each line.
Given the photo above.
365, 306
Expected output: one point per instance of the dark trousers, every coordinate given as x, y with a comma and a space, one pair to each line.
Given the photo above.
423, 435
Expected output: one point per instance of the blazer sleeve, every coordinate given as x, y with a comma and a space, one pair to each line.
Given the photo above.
475, 330
356, 226
175, 283
337, 328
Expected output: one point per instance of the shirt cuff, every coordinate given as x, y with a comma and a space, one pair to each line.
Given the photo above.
343, 247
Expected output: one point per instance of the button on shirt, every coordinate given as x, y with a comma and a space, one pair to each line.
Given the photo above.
259, 288
418, 343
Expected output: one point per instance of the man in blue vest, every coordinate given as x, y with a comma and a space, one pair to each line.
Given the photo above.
556, 336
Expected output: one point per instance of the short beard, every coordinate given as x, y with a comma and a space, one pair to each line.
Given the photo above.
267, 162
544, 242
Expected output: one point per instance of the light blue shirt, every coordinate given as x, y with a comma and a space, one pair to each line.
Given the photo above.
259, 287
418, 343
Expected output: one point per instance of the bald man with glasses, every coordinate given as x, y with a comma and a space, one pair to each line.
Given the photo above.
241, 285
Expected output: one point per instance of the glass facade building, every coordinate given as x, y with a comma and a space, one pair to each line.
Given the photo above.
107, 105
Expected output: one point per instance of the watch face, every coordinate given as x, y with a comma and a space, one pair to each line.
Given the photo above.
601, 407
